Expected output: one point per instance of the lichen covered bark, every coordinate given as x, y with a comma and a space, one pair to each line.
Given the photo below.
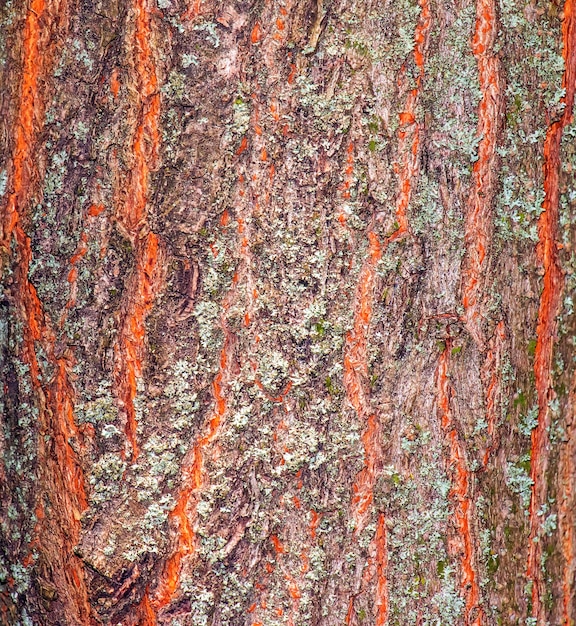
286, 320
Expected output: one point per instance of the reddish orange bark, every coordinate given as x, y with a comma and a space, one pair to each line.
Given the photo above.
355, 375
280, 206
355, 353
478, 224
479, 217
461, 495
550, 300
28, 110
355, 366
60, 471
477, 236
144, 282
409, 130
193, 479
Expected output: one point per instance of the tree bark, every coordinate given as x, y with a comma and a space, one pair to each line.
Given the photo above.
286, 314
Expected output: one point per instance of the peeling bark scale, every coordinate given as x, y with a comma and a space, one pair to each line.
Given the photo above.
287, 320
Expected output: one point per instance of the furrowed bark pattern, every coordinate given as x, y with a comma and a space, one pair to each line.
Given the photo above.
270, 281
478, 229
61, 497
355, 375
25, 131
461, 492
254, 175
479, 218
550, 300
193, 475
355, 359
144, 282
409, 129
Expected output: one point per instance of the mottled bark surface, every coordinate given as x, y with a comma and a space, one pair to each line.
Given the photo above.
286, 318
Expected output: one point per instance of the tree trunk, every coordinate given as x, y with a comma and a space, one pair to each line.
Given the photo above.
286, 322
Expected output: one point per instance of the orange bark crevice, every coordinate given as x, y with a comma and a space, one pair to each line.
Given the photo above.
60, 473
193, 478
193, 475
61, 469
381, 572
184, 513
409, 129
25, 135
461, 495
550, 301
478, 222
142, 287
478, 228
144, 282
355, 375
355, 351
355, 364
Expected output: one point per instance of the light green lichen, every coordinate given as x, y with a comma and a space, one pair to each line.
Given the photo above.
519, 481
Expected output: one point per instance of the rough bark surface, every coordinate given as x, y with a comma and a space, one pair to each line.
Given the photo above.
286, 315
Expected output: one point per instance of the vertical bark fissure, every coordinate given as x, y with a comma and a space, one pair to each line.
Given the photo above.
355, 375
144, 281
193, 473
479, 217
356, 346
61, 477
461, 494
478, 229
193, 477
549, 308
25, 135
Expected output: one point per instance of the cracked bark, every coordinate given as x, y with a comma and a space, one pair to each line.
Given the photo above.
286, 312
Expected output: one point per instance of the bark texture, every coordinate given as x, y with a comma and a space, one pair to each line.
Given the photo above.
286, 315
